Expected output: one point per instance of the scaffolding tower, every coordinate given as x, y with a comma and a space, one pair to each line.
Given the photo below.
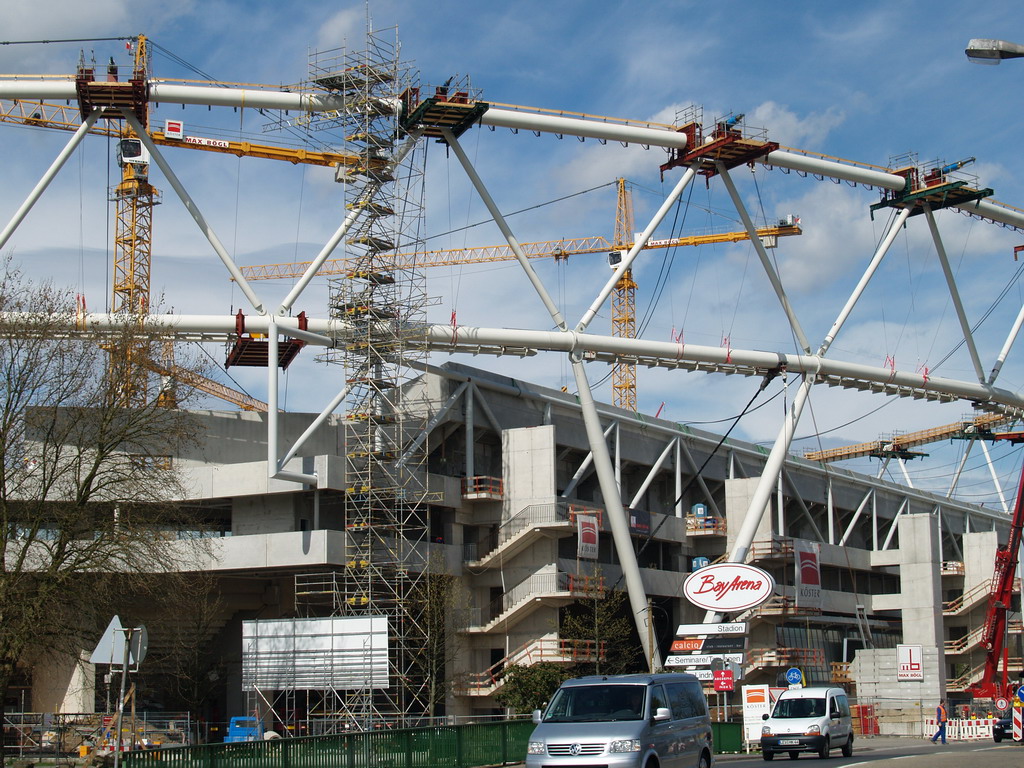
383, 310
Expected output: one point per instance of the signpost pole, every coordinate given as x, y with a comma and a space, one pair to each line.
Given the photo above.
120, 702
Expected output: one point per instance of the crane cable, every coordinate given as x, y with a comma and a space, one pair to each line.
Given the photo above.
767, 379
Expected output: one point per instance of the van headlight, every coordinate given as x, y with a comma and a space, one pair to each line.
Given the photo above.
766, 730
535, 748
813, 730
625, 745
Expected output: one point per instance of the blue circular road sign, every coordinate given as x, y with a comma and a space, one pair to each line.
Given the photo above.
794, 676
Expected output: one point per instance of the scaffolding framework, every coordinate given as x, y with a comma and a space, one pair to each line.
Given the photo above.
385, 501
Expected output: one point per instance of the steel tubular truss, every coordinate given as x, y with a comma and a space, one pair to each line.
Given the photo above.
372, 340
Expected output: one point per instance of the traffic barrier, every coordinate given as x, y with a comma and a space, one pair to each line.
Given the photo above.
966, 729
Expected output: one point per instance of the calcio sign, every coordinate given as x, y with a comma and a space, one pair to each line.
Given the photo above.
728, 587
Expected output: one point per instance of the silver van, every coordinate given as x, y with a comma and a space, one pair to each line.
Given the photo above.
624, 721
808, 720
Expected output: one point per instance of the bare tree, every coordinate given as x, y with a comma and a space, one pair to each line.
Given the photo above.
442, 607
184, 658
86, 478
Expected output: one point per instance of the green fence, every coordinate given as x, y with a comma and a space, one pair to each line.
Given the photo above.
455, 746
728, 737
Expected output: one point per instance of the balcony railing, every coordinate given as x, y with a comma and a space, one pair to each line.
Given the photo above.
771, 549
787, 657
551, 649
705, 526
483, 487
533, 515
552, 584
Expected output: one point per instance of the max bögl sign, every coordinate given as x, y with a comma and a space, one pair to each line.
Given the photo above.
728, 587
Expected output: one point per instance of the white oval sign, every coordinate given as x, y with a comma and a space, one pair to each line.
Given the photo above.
728, 587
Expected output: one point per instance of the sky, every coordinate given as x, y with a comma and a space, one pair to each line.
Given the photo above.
866, 81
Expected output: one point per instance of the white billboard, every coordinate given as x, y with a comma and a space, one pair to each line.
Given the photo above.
341, 653
909, 662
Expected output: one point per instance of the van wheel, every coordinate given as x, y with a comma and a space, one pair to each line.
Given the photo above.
823, 752
768, 755
848, 747
705, 761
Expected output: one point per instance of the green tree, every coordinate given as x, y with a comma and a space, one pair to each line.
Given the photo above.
600, 619
527, 688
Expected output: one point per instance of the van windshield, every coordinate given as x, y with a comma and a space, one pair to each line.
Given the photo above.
799, 708
596, 703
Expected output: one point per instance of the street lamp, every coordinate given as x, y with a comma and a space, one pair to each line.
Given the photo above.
986, 51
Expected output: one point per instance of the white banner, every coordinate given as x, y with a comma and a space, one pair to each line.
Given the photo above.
702, 660
734, 628
586, 537
808, 574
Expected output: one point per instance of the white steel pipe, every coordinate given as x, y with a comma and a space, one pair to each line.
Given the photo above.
506, 231
858, 291
193, 209
367, 194
165, 93
617, 520
822, 167
577, 126
995, 212
439, 338
51, 172
766, 263
39, 90
954, 294
641, 241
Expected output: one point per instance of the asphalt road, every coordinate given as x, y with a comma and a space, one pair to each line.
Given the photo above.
906, 752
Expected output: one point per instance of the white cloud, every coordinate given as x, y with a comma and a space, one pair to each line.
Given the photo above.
790, 129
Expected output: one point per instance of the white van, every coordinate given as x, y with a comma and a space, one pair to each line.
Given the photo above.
624, 721
808, 720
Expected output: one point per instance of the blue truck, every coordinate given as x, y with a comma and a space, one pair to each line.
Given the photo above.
244, 729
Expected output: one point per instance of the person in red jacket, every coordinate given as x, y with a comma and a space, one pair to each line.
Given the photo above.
941, 717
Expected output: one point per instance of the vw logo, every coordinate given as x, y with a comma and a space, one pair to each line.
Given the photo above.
574, 749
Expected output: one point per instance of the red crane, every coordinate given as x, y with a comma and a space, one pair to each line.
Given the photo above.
993, 637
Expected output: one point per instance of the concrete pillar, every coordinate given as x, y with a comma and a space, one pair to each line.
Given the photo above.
64, 684
738, 493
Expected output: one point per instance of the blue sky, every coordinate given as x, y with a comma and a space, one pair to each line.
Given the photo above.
865, 81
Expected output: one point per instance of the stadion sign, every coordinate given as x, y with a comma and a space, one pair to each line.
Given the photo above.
728, 587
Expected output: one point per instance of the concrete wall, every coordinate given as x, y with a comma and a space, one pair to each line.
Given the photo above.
901, 707
64, 684
737, 499
921, 585
528, 458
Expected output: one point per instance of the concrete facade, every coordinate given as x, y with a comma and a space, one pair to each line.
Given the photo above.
508, 469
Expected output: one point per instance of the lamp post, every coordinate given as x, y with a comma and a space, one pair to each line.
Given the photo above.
986, 51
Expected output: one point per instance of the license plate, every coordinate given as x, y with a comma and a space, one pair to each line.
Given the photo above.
788, 742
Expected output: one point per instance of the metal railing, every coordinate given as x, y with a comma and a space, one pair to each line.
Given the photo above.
547, 583
786, 657
549, 649
705, 526
483, 485
455, 746
534, 514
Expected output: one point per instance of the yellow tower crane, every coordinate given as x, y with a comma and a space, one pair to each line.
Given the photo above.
623, 307
623, 301
135, 197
